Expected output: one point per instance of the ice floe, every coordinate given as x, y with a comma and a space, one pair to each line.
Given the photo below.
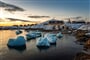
42, 42
18, 42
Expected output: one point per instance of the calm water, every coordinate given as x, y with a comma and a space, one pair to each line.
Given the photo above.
65, 49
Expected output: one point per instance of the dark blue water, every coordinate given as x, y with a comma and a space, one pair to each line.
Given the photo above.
65, 48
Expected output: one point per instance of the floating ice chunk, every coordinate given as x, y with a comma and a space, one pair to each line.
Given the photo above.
59, 35
11, 42
20, 41
42, 42
38, 34
51, 38
18, 32
30, 36
33, 35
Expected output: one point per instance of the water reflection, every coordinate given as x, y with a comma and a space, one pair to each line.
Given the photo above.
46, 48
79, 43
20, 49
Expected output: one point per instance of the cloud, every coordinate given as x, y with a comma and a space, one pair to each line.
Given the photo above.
78, 17
10, 7
14, 19
39, 16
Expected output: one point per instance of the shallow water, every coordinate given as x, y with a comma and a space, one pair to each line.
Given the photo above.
65, 48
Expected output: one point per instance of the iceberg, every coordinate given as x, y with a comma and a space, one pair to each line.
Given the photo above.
38, 34
18, 42
18, 32
51, 38
42, 42
33, 35
59, 35
30, 36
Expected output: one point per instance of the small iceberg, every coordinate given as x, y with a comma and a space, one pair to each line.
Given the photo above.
51, 38
30, 36
18, 32
33, 35
38, 34
42, 42
59, 35
18, 42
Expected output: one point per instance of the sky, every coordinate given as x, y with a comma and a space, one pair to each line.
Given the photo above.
53, 8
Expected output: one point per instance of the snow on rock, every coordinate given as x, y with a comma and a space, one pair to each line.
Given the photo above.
38, 26
87, 34
73, 26
49, 27
85, 27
